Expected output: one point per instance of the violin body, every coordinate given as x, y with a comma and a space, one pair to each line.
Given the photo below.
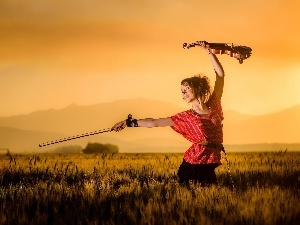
237, 51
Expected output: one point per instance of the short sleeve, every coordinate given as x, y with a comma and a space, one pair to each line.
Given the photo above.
179, 121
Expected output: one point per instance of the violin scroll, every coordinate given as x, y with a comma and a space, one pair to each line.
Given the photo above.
237, 51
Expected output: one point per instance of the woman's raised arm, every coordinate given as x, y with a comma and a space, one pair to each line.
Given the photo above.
219, 84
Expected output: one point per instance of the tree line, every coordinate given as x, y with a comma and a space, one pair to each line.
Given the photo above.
91, 148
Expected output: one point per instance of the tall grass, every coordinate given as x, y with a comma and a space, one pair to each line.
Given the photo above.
144, 189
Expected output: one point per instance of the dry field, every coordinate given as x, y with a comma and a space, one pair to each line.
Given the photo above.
143, 189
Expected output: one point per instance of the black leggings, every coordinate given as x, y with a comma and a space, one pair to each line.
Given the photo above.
201, 173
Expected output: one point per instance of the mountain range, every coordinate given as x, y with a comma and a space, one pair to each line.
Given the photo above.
24, 133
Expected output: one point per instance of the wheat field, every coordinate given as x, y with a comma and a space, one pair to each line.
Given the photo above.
144, 189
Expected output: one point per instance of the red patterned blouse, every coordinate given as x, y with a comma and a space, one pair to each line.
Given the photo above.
196, 128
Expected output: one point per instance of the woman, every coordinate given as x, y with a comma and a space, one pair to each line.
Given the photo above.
202, 125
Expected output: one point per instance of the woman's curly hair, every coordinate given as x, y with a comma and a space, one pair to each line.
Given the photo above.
200, 86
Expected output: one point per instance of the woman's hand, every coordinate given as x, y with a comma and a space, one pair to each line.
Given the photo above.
119, 126
202, 45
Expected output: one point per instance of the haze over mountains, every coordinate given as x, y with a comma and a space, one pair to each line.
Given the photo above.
23, 133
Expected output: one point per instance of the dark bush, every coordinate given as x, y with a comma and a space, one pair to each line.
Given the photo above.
92, 148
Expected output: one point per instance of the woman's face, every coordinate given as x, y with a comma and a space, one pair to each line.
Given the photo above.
187, 93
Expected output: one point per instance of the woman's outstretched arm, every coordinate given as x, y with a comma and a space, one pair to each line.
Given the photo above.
148, 122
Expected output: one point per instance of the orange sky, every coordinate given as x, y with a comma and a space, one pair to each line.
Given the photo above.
53, 54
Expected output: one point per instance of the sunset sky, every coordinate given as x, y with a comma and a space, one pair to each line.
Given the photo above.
56, 53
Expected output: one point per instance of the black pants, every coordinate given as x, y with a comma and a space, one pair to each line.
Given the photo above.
198, 173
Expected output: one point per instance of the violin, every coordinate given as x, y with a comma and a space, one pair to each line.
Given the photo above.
237, 51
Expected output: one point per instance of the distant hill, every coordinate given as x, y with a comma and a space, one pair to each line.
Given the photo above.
24, 141
25, 132
77, 119
279, 127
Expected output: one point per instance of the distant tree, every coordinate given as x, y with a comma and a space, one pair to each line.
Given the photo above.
112, 148
100, 148
68, 149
